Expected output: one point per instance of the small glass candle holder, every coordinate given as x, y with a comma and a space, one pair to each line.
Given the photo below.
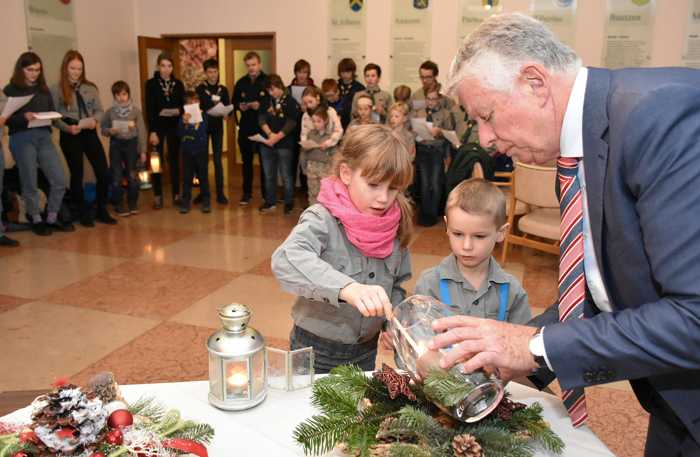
290, 370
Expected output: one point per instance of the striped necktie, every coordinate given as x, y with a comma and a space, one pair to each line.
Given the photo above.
572, 281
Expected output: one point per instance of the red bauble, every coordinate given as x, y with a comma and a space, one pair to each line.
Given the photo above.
120, 418
97, 454
115, 437
20, 454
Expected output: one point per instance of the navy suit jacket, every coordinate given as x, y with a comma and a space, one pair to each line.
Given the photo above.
641, 143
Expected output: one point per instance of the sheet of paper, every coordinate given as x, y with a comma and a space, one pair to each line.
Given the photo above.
219, 110
122, 126
296, 93
13, 104
418, 104
39, 123
308, 144
48, 115
86, 123
421, 128
257, 137
451, 136
169, 112
194, 112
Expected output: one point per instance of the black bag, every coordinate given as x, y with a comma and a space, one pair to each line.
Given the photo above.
462, 167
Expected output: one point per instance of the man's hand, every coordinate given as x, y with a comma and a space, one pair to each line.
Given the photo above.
370, 301
485, 343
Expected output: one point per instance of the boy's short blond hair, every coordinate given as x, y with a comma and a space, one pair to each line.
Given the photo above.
399, 106
478, 196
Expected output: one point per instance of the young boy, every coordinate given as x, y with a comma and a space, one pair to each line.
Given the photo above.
210, 94
470, 280
194, 145
123, 124
381, 99
347, 83
430, 156
329, 88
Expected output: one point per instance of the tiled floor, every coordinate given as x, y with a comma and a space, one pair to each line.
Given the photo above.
140, 299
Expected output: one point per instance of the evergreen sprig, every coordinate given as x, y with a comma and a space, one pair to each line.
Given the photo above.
530, 420
321, 433
499, 441
408, 450
147, 407
446, 388
190, 430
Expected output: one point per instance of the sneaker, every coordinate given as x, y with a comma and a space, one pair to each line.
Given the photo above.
177, 201
104, 217
267, 208
158, 202
41, 229
86, 220
197, 200
59, 226
288, 207
133, 209
221, 199
184, 208
121, 210
6, 241
244, 201
206, 207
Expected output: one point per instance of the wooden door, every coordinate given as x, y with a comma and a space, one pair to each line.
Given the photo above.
149, 48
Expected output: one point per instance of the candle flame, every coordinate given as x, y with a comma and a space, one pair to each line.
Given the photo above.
238, 379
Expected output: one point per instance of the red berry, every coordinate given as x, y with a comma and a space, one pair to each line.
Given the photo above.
20, 454
115, 437
28, 436
97, 454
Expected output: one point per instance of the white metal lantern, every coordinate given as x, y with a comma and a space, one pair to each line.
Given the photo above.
155, 162
237, 362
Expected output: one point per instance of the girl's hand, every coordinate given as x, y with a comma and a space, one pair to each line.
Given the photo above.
186, 117
91, 124
29, 116
370, 301
113, 131
153, 139
436, 132
325, 145
73, 129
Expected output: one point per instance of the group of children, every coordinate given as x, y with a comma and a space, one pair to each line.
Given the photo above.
348, 256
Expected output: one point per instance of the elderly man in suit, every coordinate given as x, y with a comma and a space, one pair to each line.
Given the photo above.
627, 144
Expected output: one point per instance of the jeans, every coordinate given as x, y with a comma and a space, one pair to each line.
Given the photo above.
430, 165
122, 163
329, 354
170, 135
74, 146
32, 148
217, 139
248, 151
195, 163
272, 158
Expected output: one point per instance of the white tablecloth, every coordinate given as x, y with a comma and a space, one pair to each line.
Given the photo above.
266, 430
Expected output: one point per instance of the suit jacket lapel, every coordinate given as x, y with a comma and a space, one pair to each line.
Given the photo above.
595, 152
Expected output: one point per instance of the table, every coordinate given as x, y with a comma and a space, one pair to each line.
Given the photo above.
266, 430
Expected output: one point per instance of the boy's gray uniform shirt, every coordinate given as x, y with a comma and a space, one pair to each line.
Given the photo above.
317, 260
478, 303
134, 115
90, 95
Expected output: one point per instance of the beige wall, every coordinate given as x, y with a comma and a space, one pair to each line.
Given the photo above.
107, 31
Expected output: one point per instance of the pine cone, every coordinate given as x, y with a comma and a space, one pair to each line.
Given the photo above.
506, 408
445, 420
104, 386
465, 445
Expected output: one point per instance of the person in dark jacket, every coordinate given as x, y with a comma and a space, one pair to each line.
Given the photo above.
32, 147
248, 96
194, 143
277, 120
164, 100
210, 94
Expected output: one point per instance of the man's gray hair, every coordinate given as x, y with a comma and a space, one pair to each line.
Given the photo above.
495, 51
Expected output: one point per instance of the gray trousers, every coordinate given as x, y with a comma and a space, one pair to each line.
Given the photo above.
33, 148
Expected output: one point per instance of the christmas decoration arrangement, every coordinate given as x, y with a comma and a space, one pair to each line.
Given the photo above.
95, 421
389, 415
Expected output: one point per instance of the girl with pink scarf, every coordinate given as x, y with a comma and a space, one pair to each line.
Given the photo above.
347, 256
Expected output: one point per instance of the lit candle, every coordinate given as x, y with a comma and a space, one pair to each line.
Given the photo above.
238, 382
155, 163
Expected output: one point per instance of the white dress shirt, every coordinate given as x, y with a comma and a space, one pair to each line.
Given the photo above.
571, 145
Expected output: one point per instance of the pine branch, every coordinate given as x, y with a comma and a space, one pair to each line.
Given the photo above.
320, 434
407, 450
335, 400
446, 388
201, 433
425, 427
147, 407
495, 440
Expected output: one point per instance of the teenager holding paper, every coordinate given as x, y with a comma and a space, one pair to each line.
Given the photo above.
210, 94
32, 147
78, 101
164, 100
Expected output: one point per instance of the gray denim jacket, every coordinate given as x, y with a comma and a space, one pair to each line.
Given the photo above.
317, 260
90, 95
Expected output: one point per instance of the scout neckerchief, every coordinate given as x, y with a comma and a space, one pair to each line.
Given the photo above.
345, 88
167, 87
372, 93
124, 110
278, 104
209, 88
82, 109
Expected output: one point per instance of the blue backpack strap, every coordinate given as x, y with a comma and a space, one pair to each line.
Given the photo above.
445, 293
503, 301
